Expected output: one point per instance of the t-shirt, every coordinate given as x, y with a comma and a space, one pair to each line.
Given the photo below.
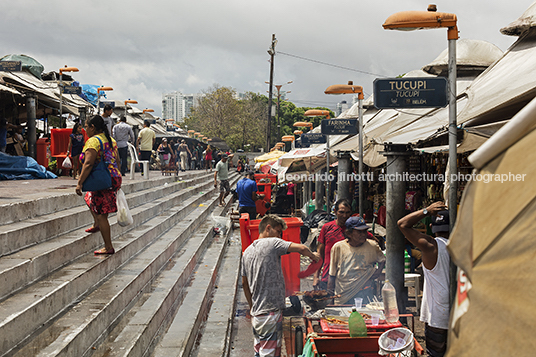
109, 123
435, 309
353, 267
261, 264
245, 189
93, 143
330, 234
222, 168
146, 136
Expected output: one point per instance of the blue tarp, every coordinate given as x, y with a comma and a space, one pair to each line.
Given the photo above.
22, 168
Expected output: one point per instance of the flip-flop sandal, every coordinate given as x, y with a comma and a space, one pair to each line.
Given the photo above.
93, 229
104, 251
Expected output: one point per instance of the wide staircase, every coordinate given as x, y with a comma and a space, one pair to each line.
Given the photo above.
169, 289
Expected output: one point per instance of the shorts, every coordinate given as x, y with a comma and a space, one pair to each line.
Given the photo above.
252, 211
268, 333
224, 186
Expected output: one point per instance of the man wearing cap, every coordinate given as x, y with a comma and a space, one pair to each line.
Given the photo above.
222, 174
247, 195
435, 309
352, 269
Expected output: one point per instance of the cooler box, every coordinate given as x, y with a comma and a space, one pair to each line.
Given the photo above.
41, 152
249, 231
59, 143
266, 189
273, 178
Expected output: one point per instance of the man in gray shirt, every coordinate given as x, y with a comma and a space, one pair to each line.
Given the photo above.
222, 174
122, 132
264, 284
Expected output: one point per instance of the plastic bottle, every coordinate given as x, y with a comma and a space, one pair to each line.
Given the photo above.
407, 262
356, 324
390, 306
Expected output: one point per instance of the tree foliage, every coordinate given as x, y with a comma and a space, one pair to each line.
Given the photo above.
244, 121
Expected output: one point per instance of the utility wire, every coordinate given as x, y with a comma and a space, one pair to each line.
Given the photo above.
332, 65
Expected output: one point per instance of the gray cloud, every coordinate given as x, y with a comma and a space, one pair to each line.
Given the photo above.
146, 48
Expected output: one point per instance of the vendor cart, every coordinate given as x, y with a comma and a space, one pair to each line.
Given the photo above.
332, 339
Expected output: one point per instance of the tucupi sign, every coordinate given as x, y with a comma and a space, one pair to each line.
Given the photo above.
414, 92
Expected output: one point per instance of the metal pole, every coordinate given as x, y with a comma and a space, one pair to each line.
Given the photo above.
394, 204
328, 181
343, 182
453, 167
271, 51
61, 99
319, 190
361, 181
30, 118
82, 112
98, 102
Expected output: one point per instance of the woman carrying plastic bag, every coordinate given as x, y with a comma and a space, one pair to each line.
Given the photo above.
124, 218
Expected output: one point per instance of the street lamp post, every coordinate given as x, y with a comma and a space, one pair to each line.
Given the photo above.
147, 111
316, 113
278, 87
131, 102
64, 69
346, 89
99, 90
417, 20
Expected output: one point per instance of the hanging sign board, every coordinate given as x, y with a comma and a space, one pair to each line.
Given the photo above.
72, 90
339, 126
298, 144
313, 138
103, 103
414, 92
10, 66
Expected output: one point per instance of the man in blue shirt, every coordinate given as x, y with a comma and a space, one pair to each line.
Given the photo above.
247, 195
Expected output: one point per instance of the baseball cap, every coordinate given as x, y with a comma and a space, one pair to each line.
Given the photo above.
356, 222
164, 139
441, 222
224, 156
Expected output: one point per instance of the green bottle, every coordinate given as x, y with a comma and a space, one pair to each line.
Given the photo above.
356, 324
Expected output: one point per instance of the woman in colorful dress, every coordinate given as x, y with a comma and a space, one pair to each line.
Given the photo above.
103, 202
76, 144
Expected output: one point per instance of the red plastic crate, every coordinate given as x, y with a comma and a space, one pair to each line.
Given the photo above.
249, 231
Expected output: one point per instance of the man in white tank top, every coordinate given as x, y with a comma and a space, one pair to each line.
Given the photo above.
435, 259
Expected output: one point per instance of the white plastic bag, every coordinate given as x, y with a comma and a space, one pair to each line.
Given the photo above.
124, 218
67, 163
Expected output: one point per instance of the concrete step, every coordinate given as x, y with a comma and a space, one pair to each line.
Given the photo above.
181, 335
54, 201
21, 234
139, 332
22, 315
215, 334
26, 266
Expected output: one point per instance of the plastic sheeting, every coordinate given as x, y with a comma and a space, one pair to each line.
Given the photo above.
493, 243
22, 168
28, 63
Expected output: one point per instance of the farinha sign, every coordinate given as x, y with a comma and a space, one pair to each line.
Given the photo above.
415, 92
339, 126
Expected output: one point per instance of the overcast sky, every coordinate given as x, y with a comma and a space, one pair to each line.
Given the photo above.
145, 48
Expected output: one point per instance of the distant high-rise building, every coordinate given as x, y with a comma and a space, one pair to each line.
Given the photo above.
341, 107
177, 106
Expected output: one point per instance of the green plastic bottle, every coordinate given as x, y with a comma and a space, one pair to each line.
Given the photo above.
356, 324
